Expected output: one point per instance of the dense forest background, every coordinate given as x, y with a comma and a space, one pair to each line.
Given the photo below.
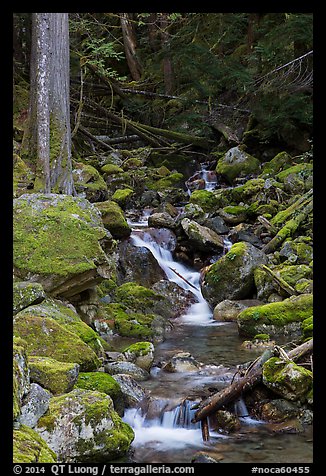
227, 77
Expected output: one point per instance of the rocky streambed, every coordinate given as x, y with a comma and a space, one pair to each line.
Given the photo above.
153, 289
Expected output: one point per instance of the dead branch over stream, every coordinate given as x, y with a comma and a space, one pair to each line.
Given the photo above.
252, 377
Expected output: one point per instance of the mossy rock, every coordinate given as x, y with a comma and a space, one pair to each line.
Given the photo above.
21, 380
248, 191
276, 318
29, 447
57, 377
110, 169
202, 237
280, 162
304, 171
25, 294
56, 238
96, 432
307, 327
237, 163
88, 181
132, 163
127, 323
287, 379
122, 196
172, 161
232, 276
46, 337
207, 200
296, 251
114, 219
104, 383
234, 214
175, 179
67, 318
141, 299
141, 354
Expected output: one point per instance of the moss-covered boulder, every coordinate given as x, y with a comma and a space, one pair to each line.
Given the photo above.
114, 219
234, 214
57, 242
68, 318
297, 179
104, 383
201, 237
110, 169
237, 163
175, 179
280, 161
248, 192
287, 379
296, 252
141, 299
89, 183
207, 200
307, 327
127, 323
23, 176
276, 318
29, 447
83, 426
57, 377
46, 337
122, 196
141, 354
21, 380
232, 276
26, 294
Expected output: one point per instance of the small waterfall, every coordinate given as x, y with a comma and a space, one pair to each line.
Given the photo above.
240, 409
227, 245
210, 178
179, 274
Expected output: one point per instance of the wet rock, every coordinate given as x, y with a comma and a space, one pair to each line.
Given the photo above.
35, 404
114, 219
203, 458
228, 310
279, 410
45, 227
128, 368
232, 277
234, 214
291, 426
181, 298
203, 238
227, 421
161, 220
216, 224
137, 264
83, 426
133, 394
182, 362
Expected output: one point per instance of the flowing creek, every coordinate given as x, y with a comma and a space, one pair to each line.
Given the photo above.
165, 433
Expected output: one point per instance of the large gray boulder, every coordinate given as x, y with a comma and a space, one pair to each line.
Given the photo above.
232, 276
203, 238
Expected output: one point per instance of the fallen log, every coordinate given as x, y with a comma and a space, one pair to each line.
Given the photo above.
280, 281
252, 377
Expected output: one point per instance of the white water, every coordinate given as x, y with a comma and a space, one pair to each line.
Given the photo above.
208, 176
200, 312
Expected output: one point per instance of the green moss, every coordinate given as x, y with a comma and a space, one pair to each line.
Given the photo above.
29, 447
302, 170
262, 337
279, 314
46, 337
20, 373
22, 176
110, 169
280, 162
139, 348
172, 180
132, 163
26, 293
113, 219
252, 187
88, 179
240, 165
141, 299
55, 235
205, 199
287, 379
235, 210
68, 319
104, 383
57, 377
128, 323
307, 327
121, 196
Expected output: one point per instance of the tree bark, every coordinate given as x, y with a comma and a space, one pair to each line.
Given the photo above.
129, 41
47, 138
167, 62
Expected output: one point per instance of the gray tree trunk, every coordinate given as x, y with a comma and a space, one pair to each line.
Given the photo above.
47, 140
